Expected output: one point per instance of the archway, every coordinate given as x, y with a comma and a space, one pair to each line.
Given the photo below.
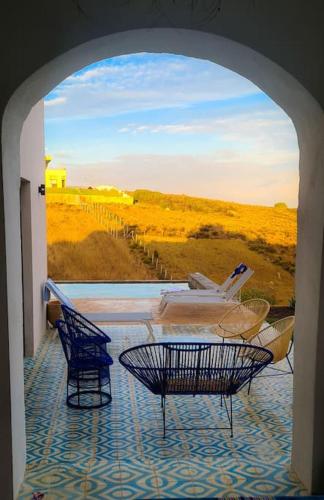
307, 117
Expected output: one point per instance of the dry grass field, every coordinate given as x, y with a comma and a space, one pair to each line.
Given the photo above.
79, 249
188, 234
180, 215
216, 258
195, 234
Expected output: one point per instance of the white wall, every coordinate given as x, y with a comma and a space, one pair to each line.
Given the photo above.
34, 225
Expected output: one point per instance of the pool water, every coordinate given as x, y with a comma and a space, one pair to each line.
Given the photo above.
118, 290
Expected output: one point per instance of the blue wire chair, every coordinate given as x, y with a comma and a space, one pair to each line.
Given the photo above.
195, 368
81, 329
88, 375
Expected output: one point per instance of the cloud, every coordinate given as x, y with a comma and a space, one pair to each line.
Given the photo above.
241, 179
168, 129
264, 133
230, 125
142, 82
61, 156
224, 138
252, 157
55, 101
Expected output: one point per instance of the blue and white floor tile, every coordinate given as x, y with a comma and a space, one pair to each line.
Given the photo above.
118, 451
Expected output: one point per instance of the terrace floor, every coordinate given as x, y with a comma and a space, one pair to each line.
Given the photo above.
119, 452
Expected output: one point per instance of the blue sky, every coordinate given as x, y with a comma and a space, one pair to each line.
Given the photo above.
172, 124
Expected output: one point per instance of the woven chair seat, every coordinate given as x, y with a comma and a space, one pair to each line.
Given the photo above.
189, 386
89, 364
251, 354
84, 341
233, 329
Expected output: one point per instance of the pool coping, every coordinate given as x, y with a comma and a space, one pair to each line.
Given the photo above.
118, 282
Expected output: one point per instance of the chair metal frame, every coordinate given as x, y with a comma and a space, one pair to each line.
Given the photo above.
81, 329
88, 370
285, 336
195, 368
250, 326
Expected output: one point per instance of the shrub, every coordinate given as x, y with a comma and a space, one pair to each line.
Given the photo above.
132, 244
255, 293
208, 232
213, 232
280, 204
292, 302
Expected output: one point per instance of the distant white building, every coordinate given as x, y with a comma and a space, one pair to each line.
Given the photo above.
108, 188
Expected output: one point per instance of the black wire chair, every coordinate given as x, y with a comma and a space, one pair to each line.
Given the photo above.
196, 368
81, 329
88, 375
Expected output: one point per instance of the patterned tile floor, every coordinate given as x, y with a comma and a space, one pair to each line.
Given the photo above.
118, 451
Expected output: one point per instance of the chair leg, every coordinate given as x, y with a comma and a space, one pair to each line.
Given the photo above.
67, 391
99, 387
231, 416
109, 385
163, 415
249, 387
229, 412
290, 347
149, 327
78, 389
289, 363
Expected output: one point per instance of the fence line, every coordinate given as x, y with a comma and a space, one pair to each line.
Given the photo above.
117, 228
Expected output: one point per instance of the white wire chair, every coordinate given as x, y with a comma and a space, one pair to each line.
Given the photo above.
278, 338
243, 320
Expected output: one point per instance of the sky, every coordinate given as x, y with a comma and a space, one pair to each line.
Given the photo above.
173, 124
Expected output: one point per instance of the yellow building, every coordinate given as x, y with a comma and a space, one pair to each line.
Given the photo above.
54, 177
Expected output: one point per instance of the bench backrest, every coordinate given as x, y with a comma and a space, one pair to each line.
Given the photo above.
195, 368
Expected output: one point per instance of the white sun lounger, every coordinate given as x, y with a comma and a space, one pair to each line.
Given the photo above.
211, 296
100, 317
240, 274
206, 284
201, 282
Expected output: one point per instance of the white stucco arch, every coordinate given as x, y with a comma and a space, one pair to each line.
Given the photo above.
308, 119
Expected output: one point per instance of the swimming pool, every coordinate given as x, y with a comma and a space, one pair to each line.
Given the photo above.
118, 290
